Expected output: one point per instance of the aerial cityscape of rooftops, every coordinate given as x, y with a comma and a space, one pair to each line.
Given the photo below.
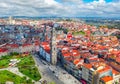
60, 42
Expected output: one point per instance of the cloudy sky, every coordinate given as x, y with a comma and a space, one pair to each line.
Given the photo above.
63, 8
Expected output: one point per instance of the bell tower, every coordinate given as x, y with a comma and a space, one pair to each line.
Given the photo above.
43, 34
53, 45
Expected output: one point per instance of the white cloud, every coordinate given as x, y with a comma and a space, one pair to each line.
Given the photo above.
53, 8
73, 1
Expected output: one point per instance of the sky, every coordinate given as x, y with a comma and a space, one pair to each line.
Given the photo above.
60, 8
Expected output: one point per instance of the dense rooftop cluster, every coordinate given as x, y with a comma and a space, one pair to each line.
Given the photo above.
89, 53
92, 57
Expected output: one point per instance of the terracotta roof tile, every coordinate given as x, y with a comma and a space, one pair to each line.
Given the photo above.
105, 69
107, 78
88, 66
3, 50
114, 71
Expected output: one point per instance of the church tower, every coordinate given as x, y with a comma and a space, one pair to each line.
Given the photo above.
10, 19
53, 46
43, 34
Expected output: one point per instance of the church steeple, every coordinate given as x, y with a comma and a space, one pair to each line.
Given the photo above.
43, 34
53, 46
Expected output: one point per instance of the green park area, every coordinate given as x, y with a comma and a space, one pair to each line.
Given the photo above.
9, 76
26, 66
4, 63
78, 33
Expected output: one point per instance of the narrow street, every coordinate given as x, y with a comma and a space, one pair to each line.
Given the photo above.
54, 73
46, 73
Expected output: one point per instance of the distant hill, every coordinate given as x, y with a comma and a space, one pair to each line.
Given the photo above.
50, 17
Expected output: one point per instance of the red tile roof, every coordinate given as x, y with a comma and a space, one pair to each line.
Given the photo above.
44, 43
13, 45
105, 69
68, 54
3, 50
26, 45
69, 36
76, 61
65, 49
117, 59
107, 78
114, 71
75, 53
88, 66
47, 48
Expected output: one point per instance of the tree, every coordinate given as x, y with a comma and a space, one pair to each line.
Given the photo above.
24, 77
14, 53
65, 31
29, 81
116, 82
